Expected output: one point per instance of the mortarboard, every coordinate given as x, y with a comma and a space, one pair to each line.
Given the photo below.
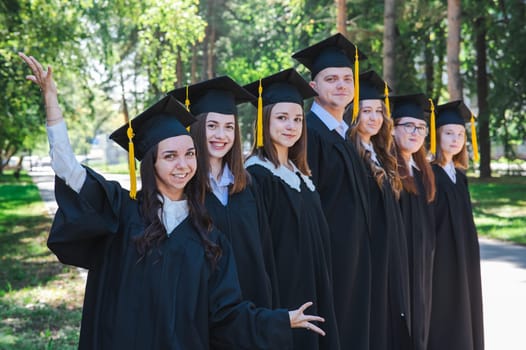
219, 95
373, 87
164, 119
284, 86
335, 51
456, 112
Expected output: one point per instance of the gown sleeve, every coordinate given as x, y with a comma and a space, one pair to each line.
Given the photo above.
236, 324
85, 220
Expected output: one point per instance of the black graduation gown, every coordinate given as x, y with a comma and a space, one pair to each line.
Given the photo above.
390, 284
456, 313
239, 221
301, 249
169, 300
340, 180
419, 222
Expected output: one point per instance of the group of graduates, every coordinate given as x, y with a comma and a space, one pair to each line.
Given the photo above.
337, 210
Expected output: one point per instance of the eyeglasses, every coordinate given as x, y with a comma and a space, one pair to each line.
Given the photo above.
411, 128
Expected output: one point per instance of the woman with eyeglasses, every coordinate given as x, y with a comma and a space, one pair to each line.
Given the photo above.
372, 137
418, 193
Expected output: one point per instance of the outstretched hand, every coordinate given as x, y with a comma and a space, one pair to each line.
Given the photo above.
299, 320
43, 78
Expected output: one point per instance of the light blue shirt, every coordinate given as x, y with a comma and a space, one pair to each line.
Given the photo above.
219, 186
330, 122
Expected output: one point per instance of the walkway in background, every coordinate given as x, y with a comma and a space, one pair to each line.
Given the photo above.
503, 278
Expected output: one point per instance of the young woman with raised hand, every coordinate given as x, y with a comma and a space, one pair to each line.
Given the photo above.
299, 231
159, 275
372, 137
410, 130
456, 311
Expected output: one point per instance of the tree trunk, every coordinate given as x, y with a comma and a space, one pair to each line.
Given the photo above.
179, 81
429, 70
341, 17
454, 83
482, 98
389, 42
123, 99
193, 74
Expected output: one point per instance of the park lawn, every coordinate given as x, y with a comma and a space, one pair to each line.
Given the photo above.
499, 207
40, 299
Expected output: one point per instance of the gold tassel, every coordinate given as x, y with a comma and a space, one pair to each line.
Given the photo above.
259, 122
187, 105
432, 127
356, 104
387, 105
474, 142
131, 162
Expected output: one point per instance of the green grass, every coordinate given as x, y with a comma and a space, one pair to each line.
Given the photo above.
499, 207
40, 299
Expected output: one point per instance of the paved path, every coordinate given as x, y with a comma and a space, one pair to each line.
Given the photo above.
503, 278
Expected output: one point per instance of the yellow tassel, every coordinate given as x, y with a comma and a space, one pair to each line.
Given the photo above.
387, 105
187, 105
131, 162
474, 142
356, 104
432, 127
259, 122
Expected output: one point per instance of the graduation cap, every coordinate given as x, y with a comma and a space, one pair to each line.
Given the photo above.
373, 87
284, 86
164, 119
456, 112
335, 51
219, 95
414, 106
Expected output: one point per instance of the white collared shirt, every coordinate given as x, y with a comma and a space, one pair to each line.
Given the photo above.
330, 122
412, 165
220, 186
173, 213
450, 170
369, 147
290, 177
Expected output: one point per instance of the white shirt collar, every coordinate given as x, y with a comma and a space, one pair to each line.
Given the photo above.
369, 147
220, 187
450, 170
330, 122
288, 176
173, 213
412, 164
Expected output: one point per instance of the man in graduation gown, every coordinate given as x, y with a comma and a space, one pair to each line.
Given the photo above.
340, 180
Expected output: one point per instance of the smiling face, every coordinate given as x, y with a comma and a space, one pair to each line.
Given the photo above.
335, 88
452, 139
407, 135
370, 119
175, 165
220, 134
285, 125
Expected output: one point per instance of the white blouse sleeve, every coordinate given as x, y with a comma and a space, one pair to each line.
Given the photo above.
63, 160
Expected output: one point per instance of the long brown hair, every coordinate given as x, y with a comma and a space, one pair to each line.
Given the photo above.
384, 147
151, 201
428, 177
460, 160
234, 157
298, 151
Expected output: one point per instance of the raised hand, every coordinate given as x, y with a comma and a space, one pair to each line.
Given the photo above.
44, 79
299, 320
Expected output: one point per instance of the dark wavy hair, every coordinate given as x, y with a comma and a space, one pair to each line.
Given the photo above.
234, 158
384, 146
298, 151
151, 201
